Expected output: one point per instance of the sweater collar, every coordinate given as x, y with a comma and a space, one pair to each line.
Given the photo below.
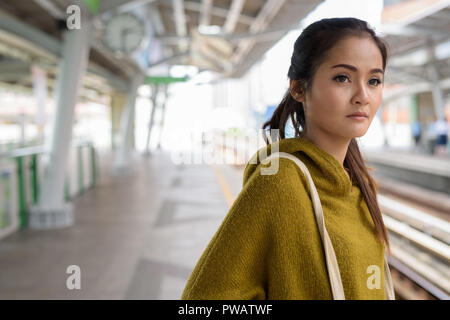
327, 172
330, 174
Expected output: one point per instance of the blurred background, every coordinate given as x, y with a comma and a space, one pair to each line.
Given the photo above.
125, 126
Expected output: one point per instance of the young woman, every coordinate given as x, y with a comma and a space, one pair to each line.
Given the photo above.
268, 246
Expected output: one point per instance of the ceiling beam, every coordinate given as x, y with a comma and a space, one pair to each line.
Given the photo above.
32, 36
405, 74
51, 8
413, 89
233, 15
418, 57
427, 11
169, 59
412, 30
121, 5
14, 70
180, 22
19, 34
205, 14
215, 11
179, 17
267, 35
441, 14
155, 19
105, 6
20, 72
266, 14
14, 66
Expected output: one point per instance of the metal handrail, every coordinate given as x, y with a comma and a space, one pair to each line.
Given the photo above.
19, 155
41, 149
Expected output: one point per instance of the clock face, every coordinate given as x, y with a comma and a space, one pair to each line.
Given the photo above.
124, 33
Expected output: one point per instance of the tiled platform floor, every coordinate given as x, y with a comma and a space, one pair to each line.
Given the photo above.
136, 236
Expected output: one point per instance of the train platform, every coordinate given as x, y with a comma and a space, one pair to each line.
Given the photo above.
409, 159
136, 236
427, 171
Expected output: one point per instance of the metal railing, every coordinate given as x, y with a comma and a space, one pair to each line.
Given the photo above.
25, 170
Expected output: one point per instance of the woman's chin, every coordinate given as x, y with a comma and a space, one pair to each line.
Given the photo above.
356, 134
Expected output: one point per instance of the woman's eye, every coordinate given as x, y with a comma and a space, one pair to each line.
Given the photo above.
377, 81
340, 78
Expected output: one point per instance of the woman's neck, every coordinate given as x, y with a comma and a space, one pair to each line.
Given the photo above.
335, 146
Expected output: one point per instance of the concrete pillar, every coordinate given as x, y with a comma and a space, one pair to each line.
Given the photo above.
124, 151
155, 90
438, 100
40, 93
163, 114
51, 210
23, 124
414, 108
118, 102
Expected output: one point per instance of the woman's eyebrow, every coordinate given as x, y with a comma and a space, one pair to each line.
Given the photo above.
347, 66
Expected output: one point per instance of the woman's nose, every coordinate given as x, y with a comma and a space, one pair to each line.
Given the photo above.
361, 95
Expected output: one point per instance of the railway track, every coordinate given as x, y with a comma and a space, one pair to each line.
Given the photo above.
409, 285
420, 238
434, 203
416, 273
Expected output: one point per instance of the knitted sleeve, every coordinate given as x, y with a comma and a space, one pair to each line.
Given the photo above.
235, 263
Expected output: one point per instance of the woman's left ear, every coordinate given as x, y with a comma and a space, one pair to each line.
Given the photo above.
296, 90
297, 96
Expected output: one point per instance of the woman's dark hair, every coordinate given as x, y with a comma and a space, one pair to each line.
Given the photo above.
310, 50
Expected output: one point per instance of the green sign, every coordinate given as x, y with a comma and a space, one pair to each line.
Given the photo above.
165, 80
92, 5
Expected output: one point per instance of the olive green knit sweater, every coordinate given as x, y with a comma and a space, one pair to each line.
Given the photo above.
268, 246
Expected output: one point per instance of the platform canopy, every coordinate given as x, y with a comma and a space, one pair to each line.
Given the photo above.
418, 34
224, 36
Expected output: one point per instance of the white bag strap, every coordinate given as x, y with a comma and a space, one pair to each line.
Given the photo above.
388, 284
330, 256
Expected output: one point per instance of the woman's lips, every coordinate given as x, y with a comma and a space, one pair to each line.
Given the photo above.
357, 118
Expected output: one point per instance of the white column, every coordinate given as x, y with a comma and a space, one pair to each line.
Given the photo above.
155, 89
124, 151
438, 100
40, 93
163, 113
23, 124
51, 210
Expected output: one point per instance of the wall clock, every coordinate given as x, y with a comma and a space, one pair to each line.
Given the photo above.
124, 33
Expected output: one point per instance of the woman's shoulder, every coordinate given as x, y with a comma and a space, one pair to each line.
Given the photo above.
278, 198
277, 174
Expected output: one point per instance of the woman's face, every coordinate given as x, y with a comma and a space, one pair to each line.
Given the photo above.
349, 80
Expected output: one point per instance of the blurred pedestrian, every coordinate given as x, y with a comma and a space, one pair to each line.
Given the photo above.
441, 130
430, 136
416, 128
